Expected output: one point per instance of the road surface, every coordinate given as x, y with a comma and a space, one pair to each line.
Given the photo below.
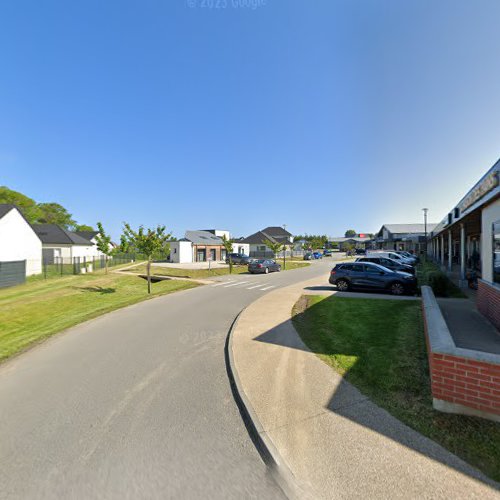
137, 403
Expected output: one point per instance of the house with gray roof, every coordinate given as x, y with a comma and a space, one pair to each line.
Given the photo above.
274, 234
198, 246
62, 245
409, 237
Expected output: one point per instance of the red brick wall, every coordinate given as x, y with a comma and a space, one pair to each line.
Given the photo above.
467, 382
488, 302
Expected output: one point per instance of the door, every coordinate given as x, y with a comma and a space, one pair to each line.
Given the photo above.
201, 255
357, 275
373, 278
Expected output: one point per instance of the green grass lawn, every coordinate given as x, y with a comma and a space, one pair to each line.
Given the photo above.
379, 346
205, 273
31, 312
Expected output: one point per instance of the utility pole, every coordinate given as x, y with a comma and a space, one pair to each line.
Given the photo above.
425, 210
284, 252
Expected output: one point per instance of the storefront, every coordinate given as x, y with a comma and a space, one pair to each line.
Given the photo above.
467, 242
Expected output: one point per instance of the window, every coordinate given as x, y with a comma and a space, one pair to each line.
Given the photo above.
496, 251
372, 270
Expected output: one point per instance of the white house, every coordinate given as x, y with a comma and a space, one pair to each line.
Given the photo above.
60, 244
18, 240
181, 251
257, 241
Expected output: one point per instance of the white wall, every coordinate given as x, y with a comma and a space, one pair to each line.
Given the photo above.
241, 248
489, 215
18, 241
181, 252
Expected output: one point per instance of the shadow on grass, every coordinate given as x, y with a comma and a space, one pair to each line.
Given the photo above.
96, 289
380, 350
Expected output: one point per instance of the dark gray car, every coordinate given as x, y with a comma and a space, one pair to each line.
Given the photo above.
391, 264
369, 276
263, 266
238, 258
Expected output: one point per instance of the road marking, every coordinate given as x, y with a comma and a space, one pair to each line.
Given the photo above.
268, 287
224, 283
236, 284
255, 286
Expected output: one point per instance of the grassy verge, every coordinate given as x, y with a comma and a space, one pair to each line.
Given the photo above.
205, 273
379, 346
34, 311
430, 274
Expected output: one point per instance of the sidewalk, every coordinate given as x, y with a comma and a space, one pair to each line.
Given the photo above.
336, 442
468, 327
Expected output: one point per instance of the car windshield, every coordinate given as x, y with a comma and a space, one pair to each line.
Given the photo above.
260, 261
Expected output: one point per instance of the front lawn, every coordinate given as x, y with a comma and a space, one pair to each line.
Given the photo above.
205, 273
379, 346
38, 309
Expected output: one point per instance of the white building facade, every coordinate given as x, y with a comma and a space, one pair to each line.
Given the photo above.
18, 240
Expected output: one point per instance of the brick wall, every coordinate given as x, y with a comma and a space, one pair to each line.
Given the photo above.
466, 382
488, 302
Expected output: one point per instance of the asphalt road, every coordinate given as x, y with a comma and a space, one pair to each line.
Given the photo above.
137, 403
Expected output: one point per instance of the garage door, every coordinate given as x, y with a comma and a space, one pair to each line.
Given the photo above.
12, 273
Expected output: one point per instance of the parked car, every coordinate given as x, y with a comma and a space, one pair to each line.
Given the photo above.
238, 258
359, 251
408, 255
317, 255
263, 266
391, 264
308, 256
390, 255
327, 253
369, 276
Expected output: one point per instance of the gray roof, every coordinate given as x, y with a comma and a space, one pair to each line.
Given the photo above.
5, 208
53, 234
342, 239
276, 232
408, 228
87, 235
203, 238
258, 238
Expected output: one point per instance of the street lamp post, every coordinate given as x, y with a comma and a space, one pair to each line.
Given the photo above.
284, 252
425, 210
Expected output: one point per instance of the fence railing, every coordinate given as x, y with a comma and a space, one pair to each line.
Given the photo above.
271, 255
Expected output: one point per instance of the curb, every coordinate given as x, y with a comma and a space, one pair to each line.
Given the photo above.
278, 468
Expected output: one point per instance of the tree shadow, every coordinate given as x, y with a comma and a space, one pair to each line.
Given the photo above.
351, 403
96, 289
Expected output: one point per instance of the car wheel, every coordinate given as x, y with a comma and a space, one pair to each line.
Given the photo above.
267, 270
342, 285
279, 269
397, 289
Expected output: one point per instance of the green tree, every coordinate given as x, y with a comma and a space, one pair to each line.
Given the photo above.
350, 233
150, 242
26, 205
103, 243
228, 246
54, 213
82, 227
274, 246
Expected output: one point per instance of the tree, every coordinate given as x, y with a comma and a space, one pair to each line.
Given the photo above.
54, 213
103, 243
274, 246
26, 205
82, 227
350, 233
228, 246
150, 242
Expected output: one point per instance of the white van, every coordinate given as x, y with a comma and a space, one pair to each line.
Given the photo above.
389, 255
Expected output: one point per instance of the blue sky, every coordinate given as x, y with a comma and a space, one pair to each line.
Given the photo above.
324, 115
